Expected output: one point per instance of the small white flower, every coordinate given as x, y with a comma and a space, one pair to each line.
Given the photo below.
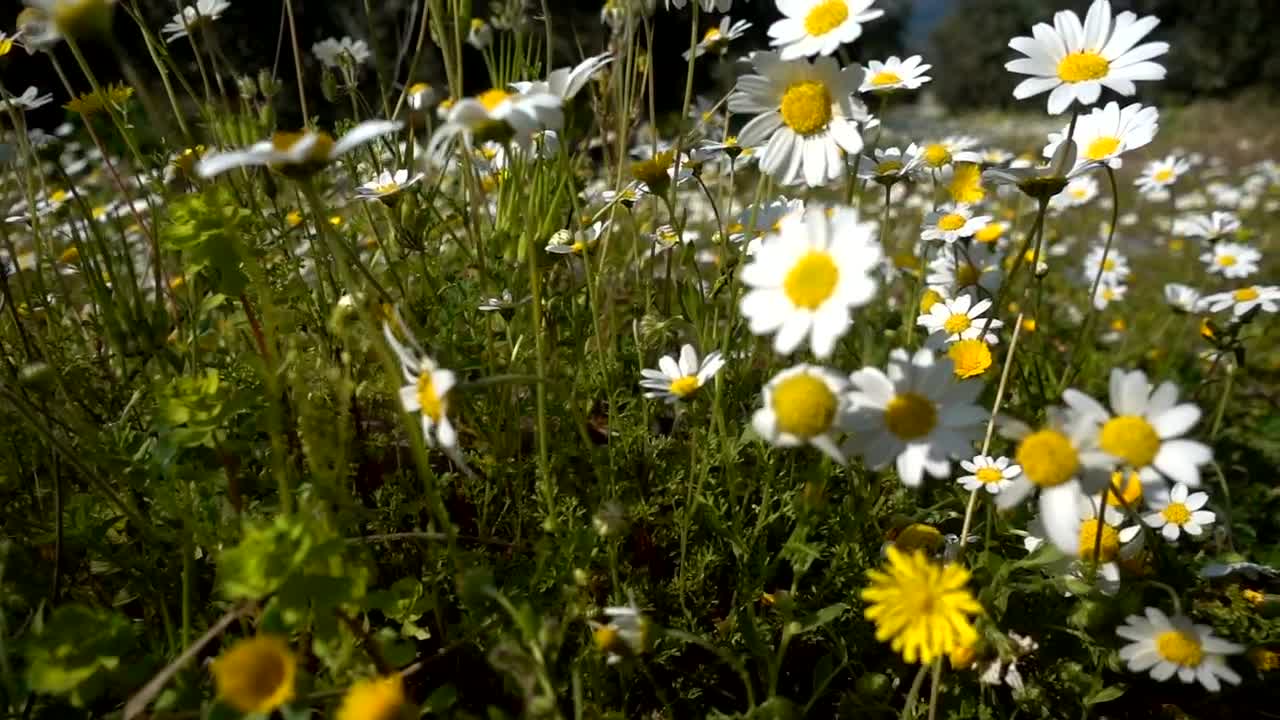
1231, 260
1167, 646
1215, 225
960, 318
1180, 512
952, 223
194, 16
717, 38
895, 74
674, 380
1160, 174
427, 392
566, 82
1243, 300
296, 152
803, 404
387, 184
819, 27
1108, 132
30, 99
990, 473
625, 634
1182, 298
334, 53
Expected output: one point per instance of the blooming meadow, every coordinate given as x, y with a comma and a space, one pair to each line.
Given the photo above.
509, 396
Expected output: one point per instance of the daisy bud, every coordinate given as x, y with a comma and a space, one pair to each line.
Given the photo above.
247, 87
329, 85
1042, 269
267, 84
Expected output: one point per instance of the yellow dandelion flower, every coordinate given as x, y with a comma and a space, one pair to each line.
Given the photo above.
966, 184
374, 699
256, 674
92, 103
920, 607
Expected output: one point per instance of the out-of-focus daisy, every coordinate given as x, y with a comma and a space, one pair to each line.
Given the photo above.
891, 165
296, 153
1051, 463
1231, 260
336, 53
755, 220
1180, 512
1143, 430
1108, 132
193, 17
427, 392
1175, 645
1100, 547
1241, 301
918, 414
1114, 269
992, 474
805, 112
567, 242
804, 281
566, 82
1182, 298
920, 607
960, 318
679, 380
479, 33
1043, 181
387, 185
717, 38
1107, 293
804, 404
1075, 61
1217, 224
625, 634
1159, 174
953, 149
496, 114
961, 269
895, 74
818, 27
951, 223
1079, 191
30, 99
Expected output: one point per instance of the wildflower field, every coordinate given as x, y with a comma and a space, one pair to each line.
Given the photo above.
505, 394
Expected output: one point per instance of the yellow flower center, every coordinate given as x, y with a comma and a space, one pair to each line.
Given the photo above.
888, 167
1130, 438
70, 255
1177, 513
804, 405
491, 99
825, 17
937, 155
970, 357
1165, 175
1083, 66
806, 107
430, 401
605, 637
387, 188
294, 218
685, 386
1245, 294
1029, 325
1102, 148
812, 280
58, 196
1109, 264
1105, 546
883, 78
1130, 489
713, 34
956, 324
1048, 458
320, 150
989, 475
931, 298
951, 222
6, 45
990, 233
910, 416
1180, 648
966, 184
1226, 260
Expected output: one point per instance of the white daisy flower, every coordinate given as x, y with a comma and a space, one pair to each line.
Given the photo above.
1100, 549
1175, 645
427, 392
334, 53
803, 404
1079, 191
1114, 270
1051, 461
1108, 293
1243, 300
625, 634
960, 269
895, 74
949, 150
917, 415
496, 114
803, 281
1231, 260
819, 27
566, 82
1143, 429
674, 380
296, 153
1158, 175
1075, 61
992, 474
1215, 225
959, 318
479, 34
1108, 132
717, 38
387, 185
204, 12
1182, 298
890, 165
805, 112
30, 99
762, 218
1180, 512
950, 223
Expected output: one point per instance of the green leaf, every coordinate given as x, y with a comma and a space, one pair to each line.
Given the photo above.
1106, 694
822, 617
76, 652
